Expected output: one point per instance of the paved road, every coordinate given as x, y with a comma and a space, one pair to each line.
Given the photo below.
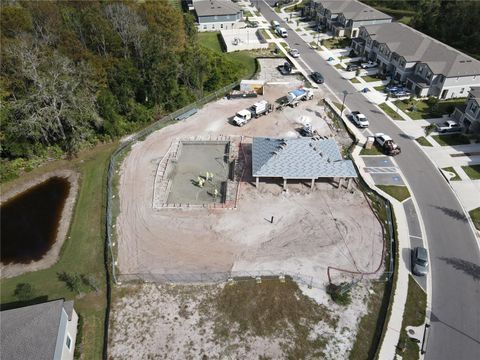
454, 253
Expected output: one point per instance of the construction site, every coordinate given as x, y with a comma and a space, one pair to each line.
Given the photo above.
193, 211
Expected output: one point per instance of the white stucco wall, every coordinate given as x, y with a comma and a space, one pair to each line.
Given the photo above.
66, 328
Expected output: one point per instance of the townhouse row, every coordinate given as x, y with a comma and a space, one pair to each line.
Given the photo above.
426, 66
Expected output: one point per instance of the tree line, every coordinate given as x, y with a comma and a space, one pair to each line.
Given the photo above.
454, 22
74, 73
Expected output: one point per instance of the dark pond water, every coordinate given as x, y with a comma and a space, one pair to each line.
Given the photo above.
30, 220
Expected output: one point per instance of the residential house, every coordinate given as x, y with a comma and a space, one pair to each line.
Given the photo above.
44, 331
468, 115
216, 15
344, 17
426, 66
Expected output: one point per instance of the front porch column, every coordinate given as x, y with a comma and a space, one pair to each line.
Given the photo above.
340, 183
257, 182
284, 184
312, 184
349, 183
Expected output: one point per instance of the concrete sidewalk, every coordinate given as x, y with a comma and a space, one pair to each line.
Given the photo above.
392, 335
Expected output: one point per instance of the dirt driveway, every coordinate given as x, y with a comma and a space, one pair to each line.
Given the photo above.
312, 229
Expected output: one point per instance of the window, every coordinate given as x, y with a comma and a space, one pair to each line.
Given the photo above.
473, 107
204, 27
68, 342
221, 26
462, 90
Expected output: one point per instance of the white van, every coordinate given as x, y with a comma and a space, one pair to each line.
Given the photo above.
282, 32
275, 24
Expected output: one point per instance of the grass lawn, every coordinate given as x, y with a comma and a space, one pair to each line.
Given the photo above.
380, 88
398, 192
375, 150
451, 139
452, 170
355, 80
368, 324
475, 215
247, 14
390, 112
414, 315
339, 66
244, 59
369, 78
336, 43
422, 140
82, 252
473, 171
424, 111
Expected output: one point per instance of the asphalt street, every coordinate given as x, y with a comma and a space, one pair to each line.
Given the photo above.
454, 252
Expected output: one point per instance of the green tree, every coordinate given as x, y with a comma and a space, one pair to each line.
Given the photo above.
24, 291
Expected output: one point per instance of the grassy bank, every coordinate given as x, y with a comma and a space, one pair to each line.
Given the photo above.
245, 60
451, 139
475, 215
423, 110
82, 252
398, 192
422, 140
452, 170
390, 112
473, 171
414, 315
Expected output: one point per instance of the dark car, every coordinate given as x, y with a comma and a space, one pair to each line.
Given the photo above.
419, 261
317, 77
353, 67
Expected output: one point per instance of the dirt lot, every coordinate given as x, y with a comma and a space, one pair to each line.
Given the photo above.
311, 229
271, 320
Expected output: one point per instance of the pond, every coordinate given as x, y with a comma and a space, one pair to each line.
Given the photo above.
30, 220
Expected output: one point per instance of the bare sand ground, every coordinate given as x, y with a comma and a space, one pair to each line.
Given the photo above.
51, 256
181, 322
312, 229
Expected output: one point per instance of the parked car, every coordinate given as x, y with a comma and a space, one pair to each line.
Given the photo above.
419, 261
353, 67
294, 53
359, 119
368, 65
317, 77
448, 126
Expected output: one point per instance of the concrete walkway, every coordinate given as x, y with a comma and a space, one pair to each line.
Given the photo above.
405, 234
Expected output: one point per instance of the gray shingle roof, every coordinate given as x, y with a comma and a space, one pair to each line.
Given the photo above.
475, 92
354, 10
299, 158
216, 7
31, 332
415, 46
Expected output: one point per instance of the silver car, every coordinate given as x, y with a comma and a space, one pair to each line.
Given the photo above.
419, 261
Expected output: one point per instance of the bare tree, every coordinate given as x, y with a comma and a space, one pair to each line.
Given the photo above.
129, 26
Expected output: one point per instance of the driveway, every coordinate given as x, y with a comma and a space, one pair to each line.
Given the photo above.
454, 252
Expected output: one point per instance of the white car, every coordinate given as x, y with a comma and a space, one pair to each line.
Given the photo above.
382, 138
448, 126
368, 65
294, 53
359, 119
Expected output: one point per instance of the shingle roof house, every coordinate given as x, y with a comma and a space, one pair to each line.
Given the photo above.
214, 15
299, 158
429, 67
42, 332
344, 17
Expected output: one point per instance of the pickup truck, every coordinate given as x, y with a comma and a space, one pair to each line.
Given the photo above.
359, 119
448, 126
387, 144
368, 65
